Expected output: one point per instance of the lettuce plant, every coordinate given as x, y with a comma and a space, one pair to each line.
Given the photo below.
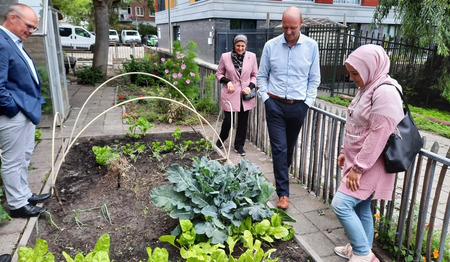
215, 196
38, 253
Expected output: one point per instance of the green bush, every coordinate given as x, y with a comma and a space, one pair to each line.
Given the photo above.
214, 196
45, 89
89, 75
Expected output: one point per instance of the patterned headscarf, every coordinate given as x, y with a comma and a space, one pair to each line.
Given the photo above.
238, 59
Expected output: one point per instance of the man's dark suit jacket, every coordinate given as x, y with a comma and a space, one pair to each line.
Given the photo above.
19, 90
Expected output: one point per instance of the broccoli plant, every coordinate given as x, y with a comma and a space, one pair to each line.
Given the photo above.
215, 196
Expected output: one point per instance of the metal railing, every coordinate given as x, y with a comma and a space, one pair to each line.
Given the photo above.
315, 167
335, 44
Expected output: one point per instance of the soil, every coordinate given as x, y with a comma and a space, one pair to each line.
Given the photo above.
83, 187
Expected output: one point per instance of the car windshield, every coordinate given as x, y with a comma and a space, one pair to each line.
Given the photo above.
131, 33
112, 33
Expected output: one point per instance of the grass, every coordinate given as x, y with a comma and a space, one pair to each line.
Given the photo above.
419, 115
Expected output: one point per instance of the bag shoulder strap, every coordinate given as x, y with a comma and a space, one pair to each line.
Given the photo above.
401, 96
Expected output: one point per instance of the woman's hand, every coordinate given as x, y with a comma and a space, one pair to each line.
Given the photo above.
230, 87
353, 180
246, 90
340, 161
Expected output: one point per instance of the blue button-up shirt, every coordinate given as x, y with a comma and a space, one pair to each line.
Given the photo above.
289, 72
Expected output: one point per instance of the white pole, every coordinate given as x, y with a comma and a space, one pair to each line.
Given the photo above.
170, 29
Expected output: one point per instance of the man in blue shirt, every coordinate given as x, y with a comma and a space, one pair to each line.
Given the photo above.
288, 78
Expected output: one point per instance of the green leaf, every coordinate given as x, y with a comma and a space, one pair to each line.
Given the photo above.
67, 257
257, 211
162, 197
186, 225
169, 239
276, 220
279, 232
209, 211
262, 227
159, 255
103, 244
181, 214
218, 236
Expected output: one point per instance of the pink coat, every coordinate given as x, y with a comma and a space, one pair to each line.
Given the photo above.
249, 71
372, 117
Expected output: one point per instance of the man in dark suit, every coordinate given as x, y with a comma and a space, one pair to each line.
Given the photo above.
20, 110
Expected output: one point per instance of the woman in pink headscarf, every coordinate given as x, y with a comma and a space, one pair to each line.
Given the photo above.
372, 117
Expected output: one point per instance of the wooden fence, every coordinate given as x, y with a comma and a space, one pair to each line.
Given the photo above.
414, 222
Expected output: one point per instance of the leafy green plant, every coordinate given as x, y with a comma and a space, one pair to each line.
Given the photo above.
191, 251
157, 149
386, 235
133, 152
157, 255
38, 253
89, 75
104, 155
214, 196
182, 148
169, 145
45, 88
266, 230
3, 213
206, 103
141, 123
203, 144
205, 251
100, 253
176, 135
37, 135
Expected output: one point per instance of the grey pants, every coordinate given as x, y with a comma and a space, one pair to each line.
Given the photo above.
17, 144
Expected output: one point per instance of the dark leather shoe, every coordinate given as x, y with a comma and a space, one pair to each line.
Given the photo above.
5, 258
34, 199
27, 211
283, 203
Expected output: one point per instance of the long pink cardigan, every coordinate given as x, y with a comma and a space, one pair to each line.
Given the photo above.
248, 74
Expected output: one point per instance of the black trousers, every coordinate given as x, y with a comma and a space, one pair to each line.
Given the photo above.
241, 131
284, 122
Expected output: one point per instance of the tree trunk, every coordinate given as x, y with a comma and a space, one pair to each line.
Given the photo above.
101, 21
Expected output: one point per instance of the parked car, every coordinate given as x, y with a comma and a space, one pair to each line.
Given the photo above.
76, 37
150, 40
130, 37
113, 37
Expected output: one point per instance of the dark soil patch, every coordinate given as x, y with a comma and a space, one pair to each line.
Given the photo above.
83, 187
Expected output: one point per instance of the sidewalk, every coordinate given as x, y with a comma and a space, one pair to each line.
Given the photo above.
317, 228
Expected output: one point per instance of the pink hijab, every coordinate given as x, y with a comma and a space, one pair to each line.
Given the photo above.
372, 64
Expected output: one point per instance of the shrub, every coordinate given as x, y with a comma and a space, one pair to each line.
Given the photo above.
215, 197
89, 75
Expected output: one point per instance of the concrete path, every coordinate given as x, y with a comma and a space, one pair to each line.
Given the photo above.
317, 228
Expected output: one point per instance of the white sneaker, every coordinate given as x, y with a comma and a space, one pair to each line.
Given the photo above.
367, 258
344, 251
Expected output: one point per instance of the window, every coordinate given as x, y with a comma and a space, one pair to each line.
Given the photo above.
139, 11
242, 24
82, 32
64, 31
351, 2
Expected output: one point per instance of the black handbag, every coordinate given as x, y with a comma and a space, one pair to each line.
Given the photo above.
250, 95
402, 146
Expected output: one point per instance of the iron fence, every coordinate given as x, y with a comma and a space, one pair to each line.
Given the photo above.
335, 45
409, 214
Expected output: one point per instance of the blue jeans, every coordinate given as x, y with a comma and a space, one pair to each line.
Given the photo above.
356, 218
